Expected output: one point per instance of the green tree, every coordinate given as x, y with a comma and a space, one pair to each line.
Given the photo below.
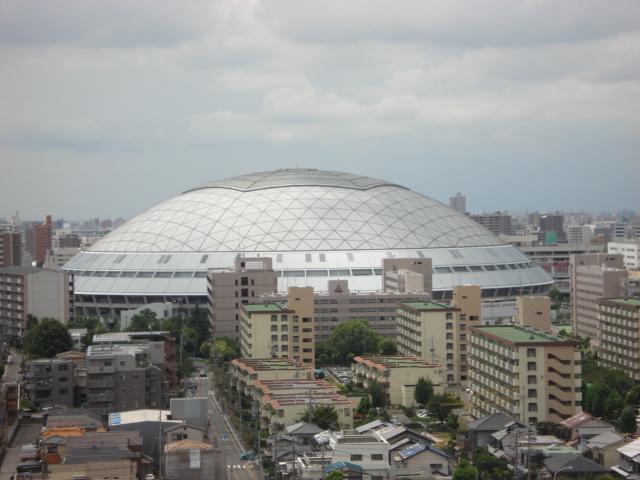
388, 347
554, 294
490, 467
31, 322
633, 396
423, 391
47, 338
613, 405
199, 321
324, 416
442, 404
364, 406
144, 321
377, 393
594, 399
219, 350
465, 471
353, 337
627, 423
335, 475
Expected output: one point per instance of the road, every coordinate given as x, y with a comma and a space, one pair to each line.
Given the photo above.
223, 435
27, 433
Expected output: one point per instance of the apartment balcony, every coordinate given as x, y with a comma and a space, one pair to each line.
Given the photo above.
96, 369
101, 384
101, 397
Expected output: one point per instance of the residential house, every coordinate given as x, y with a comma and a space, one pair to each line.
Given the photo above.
603, 448
479, 432
422, 460
571, 466
191, 460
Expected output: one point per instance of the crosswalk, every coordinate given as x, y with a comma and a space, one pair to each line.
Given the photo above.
232, 467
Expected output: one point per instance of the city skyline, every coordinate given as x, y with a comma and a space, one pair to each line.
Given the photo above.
109, 109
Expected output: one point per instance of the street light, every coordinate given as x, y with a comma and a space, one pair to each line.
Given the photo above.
555, 475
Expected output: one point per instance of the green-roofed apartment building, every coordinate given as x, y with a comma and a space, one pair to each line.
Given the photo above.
439, 333
280, 330
528, 374
620, 334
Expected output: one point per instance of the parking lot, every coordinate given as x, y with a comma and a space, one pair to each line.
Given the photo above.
340, 374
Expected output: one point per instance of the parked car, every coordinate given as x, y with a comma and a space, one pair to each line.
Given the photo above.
203, 373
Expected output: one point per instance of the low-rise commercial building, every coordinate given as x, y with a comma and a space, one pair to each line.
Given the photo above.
530, 375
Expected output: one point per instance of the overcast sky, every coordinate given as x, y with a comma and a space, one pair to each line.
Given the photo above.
109, 107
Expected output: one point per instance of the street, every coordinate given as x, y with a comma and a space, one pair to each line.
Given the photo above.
223, 436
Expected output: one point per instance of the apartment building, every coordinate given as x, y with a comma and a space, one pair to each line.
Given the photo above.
49, 382
246, 371
534, 312
496, 223
402, 279
42, 239
242, 284
530, 375
57, 257
439, 332
551, 227
579, 235
280, 330
10, 249
556, 259
125, 377
397, 374
593, 277
458, 203
36, 291
287, 408
630, 251
619, 320
340, 304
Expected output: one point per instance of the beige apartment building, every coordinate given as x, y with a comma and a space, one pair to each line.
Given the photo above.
397, 374
252, 280
280, 330
439, 333
530, 375
36, 291
534, 312
287, 408
248, 370
594, 277
228, 291
620, 339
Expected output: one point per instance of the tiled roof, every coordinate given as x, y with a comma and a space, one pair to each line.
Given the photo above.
187, 445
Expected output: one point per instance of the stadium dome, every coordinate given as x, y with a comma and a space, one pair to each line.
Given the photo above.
315, 225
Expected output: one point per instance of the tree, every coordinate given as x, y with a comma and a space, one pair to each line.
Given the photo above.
388, 347
335, 475
31, 322
219, 350
614, 404
490, 467
465, 471
627, 423
377, 393
47, 338
144, 321
364, 406
324, 416
353, 337
633, 397
199, 321
442, 404
423, 391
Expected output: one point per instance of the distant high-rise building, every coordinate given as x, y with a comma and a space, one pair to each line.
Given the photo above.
10, 249
579, 235
458, 203
496, 223
593, 276
105, 224
42, 239
552, 224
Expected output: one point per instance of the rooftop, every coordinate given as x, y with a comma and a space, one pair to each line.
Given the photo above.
632, 302
264, 307
427, 306
518, 334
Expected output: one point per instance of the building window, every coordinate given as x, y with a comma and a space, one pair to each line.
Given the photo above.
376, 456
532, 393
62, 368
63, 379
449, 356
450, 367
449, 326
244, 281
532, 380
463, 338
449, 336
274, 318
463, 358
274, 328
356, 458
244, 292
531, 352
533, 407
63, 391
449, 378
449, 346
449, 316
531, 366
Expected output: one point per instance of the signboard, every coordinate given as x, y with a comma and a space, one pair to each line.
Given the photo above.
194, 458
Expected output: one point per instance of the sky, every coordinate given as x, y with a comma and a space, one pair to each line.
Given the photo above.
108, 108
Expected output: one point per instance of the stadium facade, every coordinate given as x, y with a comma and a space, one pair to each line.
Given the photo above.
314, 225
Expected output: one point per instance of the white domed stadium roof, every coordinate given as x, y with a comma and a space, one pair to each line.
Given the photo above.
296, 210
314, 225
